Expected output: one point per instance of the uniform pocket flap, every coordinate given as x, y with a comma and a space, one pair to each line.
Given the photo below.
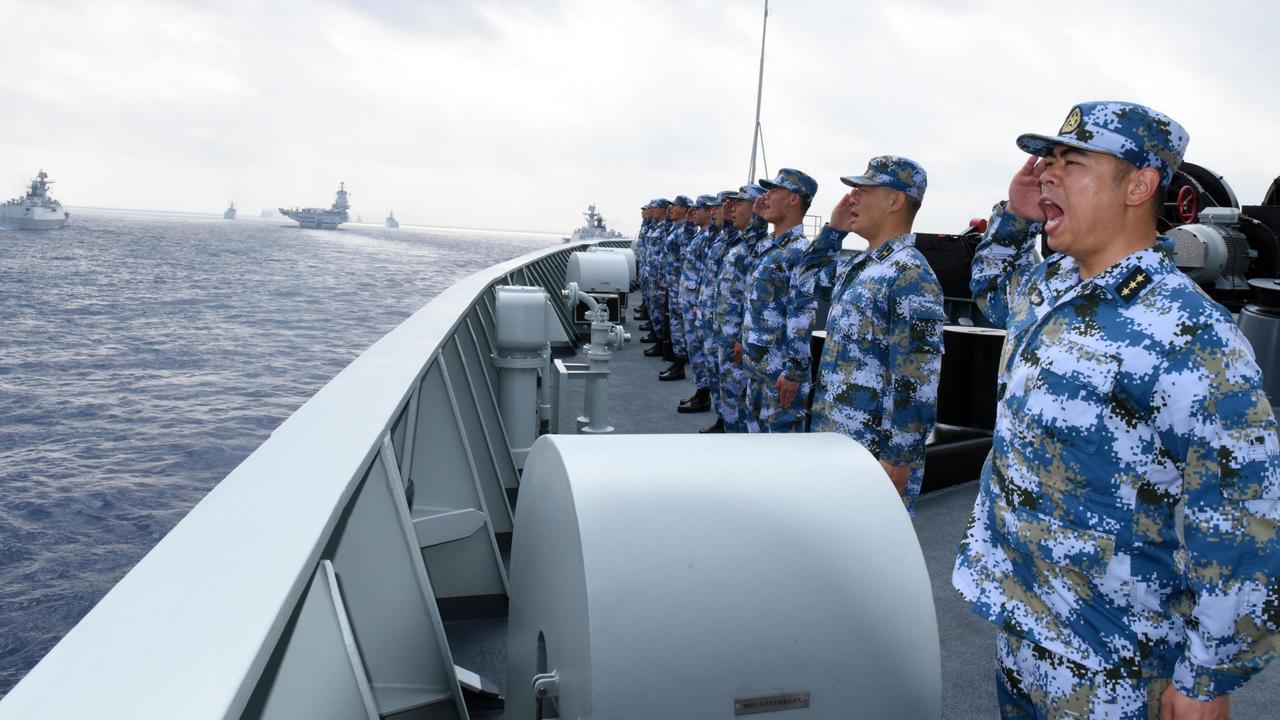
1049, 539
1081, 363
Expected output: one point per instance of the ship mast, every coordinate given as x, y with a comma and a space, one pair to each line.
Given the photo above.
755, 137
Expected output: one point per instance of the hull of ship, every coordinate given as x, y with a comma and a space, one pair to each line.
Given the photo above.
320, 221
40, 220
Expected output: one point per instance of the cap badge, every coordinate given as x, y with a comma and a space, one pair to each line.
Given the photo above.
1072, 122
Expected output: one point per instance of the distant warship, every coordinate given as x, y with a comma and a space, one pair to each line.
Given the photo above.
230, 213
595, 228
392, 222
36, 210
320, 218
267, 213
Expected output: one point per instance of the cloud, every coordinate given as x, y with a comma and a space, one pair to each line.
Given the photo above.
512, 114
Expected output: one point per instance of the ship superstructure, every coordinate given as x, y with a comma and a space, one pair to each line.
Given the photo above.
36, 210
595, 229
321, 218
392, 222
230, 213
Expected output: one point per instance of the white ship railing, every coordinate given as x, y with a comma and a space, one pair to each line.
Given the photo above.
297, 587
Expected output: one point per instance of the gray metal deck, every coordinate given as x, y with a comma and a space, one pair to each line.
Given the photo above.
642, 404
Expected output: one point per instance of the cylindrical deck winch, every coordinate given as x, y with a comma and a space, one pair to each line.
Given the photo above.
713, 576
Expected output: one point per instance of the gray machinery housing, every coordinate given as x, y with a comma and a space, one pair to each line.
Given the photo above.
726, 575
606, 276
1214, 252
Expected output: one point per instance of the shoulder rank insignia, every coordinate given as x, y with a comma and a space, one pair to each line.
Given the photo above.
1036, 296
885, 251
1131, 286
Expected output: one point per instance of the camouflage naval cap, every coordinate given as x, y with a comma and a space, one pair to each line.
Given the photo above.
750, 191
725, 195
793, 180
894, 172
662, 203
706, 201
682, 200
1132, 132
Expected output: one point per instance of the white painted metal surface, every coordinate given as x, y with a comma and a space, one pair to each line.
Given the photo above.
599, 272
724, 569
627, 253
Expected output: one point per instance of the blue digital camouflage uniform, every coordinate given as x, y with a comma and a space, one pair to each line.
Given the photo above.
641, 247
647, 263
878, 373
690, 343
731, 296
708, 284
779, 315
653, 267
1126, 523
678, 234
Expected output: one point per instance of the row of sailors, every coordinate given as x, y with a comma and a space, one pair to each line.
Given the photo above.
737, 304
1126, 534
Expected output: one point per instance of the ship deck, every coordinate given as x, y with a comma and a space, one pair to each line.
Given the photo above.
640, 404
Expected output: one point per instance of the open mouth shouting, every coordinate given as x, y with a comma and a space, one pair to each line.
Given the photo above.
1053, 215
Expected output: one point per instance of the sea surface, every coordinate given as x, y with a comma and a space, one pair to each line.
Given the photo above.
144, 355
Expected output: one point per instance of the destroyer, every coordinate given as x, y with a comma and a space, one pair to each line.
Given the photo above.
36, 210
392, 222
320, 218
595, 229
230, 213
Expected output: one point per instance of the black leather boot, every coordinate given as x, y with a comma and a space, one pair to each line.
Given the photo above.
654, 351
668, 351
650, 338
674, 371
647, 327
700, 402
718, 427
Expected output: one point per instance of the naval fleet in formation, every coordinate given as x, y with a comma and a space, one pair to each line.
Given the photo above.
36, 210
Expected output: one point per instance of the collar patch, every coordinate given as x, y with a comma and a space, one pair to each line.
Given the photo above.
1133, 284
883, 252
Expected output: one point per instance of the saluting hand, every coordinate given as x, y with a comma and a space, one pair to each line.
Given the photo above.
1024, 191
842, 215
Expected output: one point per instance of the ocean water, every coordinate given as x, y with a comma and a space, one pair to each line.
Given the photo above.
143, 356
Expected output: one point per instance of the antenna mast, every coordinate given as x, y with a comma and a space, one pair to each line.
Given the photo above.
755, 137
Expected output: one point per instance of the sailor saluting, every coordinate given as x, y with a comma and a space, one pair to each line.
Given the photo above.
1124, 538
878, 373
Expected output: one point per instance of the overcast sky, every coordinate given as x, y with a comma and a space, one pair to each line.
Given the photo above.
515, 114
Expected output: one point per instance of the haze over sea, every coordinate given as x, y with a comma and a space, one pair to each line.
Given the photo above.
144, 355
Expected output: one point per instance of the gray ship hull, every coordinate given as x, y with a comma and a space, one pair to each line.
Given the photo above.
35, 221
318, 219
